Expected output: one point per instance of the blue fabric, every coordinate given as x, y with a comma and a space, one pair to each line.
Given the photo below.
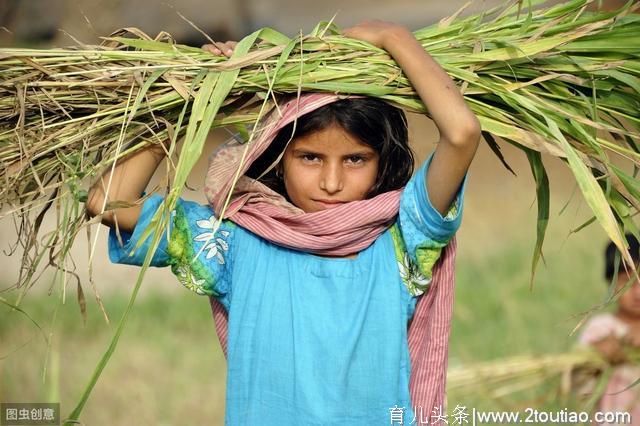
125, 254
311, 340
418, 217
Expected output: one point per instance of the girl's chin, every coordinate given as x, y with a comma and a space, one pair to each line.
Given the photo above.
631, 312
324, 206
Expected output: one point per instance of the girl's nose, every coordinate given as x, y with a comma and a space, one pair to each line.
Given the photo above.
331, 179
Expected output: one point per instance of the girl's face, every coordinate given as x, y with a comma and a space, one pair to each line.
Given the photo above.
629, 301
327, 168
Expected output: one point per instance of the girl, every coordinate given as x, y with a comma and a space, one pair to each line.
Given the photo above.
319, 267
614, 334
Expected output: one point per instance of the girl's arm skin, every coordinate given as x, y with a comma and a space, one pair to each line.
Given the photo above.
458, 126
132, 174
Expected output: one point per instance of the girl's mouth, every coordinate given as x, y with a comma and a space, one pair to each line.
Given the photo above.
330, 203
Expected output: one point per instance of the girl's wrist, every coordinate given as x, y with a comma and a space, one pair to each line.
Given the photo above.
396, 37
158, 152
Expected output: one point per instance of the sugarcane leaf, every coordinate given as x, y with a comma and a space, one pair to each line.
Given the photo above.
591, 192
599, 390
565, 8
491, 141
618, 204
282, 60
354, 88
632, 184
323, 27
153, 45
631, 227
267, 34
612, 44
519, 136
529, 20
143, 91
29, 317
525, 49
566, 204
634, 383
542, 197
586, 223
629, 80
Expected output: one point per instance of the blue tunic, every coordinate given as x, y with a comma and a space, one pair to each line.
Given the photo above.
311, 340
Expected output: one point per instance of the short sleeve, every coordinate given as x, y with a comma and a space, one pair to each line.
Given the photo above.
417, 214
124, 253
423, 229
200, 257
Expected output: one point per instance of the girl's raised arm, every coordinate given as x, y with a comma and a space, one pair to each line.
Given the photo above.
131, 175
459, 127
129, 179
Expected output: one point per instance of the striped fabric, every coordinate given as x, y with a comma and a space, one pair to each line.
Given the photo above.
335, 232
428, 335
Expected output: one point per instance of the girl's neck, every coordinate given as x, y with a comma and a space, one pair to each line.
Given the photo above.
349, 256
627, 318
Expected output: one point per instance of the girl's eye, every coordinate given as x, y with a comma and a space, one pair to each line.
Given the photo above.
355, 159
309, 157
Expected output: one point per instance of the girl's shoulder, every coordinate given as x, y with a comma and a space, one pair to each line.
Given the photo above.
419, 218
601, 326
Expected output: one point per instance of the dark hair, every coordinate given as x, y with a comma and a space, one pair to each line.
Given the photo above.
612, 250
374, 122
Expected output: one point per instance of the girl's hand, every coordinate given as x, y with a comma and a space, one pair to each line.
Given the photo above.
458, 126
219, 48
379, 33
611, 349
632, 340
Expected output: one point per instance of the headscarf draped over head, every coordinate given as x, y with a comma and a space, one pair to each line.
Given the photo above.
340, 231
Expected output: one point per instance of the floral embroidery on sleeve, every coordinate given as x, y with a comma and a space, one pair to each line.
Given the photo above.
215, 245
190, 281
453, 210
193, 272
416, 282
416, 275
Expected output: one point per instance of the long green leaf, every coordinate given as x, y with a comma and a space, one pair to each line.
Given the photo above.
542, 197
592, 193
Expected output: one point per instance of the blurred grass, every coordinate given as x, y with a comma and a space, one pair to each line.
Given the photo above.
497, 315
168, 368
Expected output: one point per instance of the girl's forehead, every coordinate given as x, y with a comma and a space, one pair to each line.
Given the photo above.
332, 138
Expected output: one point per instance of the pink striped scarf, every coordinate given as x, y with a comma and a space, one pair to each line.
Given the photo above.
334, 232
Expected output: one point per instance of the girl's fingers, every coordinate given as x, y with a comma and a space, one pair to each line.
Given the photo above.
211, 48
220, 48
373, 32
225, 48
352, 32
